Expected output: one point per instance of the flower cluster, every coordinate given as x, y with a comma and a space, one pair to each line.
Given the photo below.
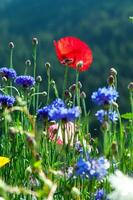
104, 115
25, 81
8, 73
92, 167
104, 96
6, 100
57, 111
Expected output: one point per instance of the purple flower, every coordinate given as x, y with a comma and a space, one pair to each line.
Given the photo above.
8, 73
104, 96
103, 115
83, 168
6, 100
25, 81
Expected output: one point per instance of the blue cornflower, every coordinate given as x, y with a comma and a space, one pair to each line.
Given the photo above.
92, 167
113, 116
100, 194
25, 81
100, 114
43, 112
57, 111
103, 115
104, 96
6, 100
83, 168
99, 167
8, 73
55, 105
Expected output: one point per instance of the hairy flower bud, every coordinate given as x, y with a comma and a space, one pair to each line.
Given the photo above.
28, 63
47, 65
38, 79
72, 88
11, 45
68, 94
83, 95
113, 72
35, 41
110, 80
130, 86
79, 85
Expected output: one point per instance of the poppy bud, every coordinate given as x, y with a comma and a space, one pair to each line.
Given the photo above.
72, 88
79, 85
12, 131
130, 86
83, 95
4, 79
105, 125
11, 45
47, 65
28, 63
38, 79
110, 80
68, 94
35, 41
113, 72
114, 147
115, 105
44, 93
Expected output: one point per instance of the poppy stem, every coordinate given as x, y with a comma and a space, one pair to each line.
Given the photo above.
65, 82
77, 88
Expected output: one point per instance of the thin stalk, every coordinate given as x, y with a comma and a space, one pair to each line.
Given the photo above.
77, 88
48, 90
65, 82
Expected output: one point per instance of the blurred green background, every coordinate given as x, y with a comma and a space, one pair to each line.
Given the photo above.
103, 24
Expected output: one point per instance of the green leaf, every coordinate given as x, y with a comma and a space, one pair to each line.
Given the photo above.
127, 116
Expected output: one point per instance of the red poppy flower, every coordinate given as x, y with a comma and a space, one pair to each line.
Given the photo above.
71, 51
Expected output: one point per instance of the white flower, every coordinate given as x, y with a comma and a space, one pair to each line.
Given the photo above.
122, 185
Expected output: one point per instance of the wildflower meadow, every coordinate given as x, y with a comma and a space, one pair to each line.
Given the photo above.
47, 150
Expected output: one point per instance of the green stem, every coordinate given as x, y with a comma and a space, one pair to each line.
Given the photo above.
77, 88
48, 92
65, 82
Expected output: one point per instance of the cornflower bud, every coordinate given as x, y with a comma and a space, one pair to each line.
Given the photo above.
11, 45
38, 79
35, 41
113, 72
130, 86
